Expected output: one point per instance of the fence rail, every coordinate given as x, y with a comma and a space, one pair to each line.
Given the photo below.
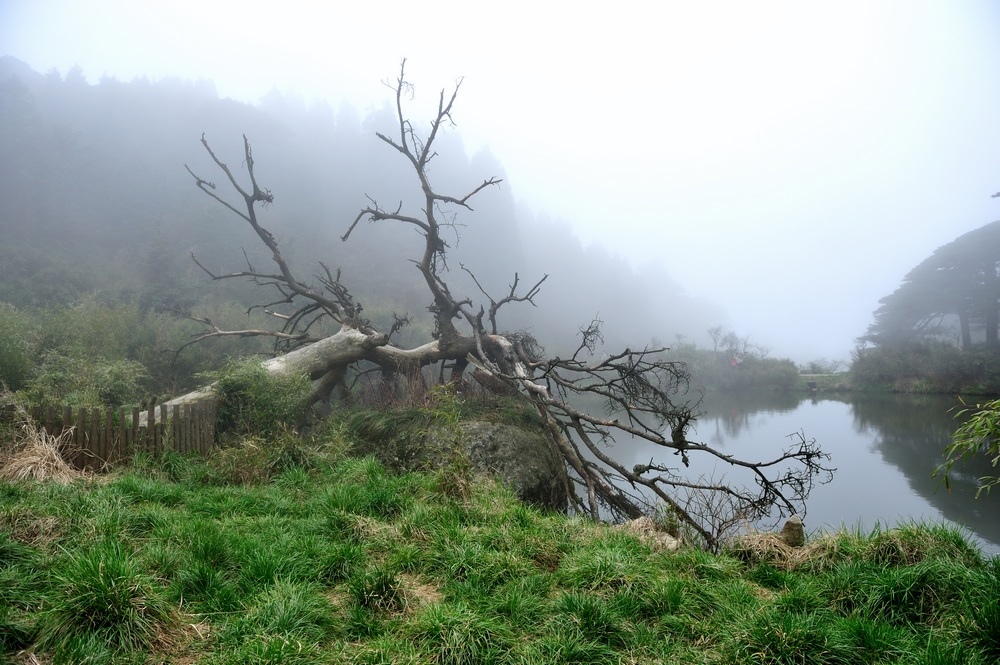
104, 436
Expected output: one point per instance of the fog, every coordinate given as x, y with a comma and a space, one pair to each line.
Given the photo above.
785, 160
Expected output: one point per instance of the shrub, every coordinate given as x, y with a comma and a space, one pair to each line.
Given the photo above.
926, 366
253, 401
73, 378
15, 352
979, 435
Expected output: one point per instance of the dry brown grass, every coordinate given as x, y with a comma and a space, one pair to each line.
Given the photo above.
28, 527
418, 593
765, 547
187, 643
900, 546
29, 658
34, 454
647, 531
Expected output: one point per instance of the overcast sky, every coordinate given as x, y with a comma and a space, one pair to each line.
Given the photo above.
788, 160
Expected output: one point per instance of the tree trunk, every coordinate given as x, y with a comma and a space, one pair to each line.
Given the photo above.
316, 361
963, 322
991, 304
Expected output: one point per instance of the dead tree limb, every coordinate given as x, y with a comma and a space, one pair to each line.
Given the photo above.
640, 394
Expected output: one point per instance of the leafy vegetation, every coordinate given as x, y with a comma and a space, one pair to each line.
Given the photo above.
925, 366
255, 402
735, 364
96, 353
336, 561
979, 435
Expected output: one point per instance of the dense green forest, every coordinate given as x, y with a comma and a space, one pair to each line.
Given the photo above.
100, 220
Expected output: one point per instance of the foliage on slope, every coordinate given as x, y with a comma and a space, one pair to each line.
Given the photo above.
293, 553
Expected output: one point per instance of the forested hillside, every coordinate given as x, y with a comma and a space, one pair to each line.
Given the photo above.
98, 209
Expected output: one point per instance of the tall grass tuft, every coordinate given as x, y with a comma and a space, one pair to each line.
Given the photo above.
651, 600
381, 500
206, 588
567, 646
378, 591
985, 609
103, 593
780, 637
32, 453
591, 616
925, 593
456, 635
297, 611
265, 650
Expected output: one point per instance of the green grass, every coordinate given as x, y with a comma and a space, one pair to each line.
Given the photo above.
326, 559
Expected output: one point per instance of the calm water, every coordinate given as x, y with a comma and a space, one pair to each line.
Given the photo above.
885, 448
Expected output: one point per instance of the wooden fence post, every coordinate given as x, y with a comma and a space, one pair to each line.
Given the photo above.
133, 439
80, 439
161, 426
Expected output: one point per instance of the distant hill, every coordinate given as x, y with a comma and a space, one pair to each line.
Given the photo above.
96, 199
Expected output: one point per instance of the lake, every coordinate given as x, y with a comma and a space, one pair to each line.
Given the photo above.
885, 449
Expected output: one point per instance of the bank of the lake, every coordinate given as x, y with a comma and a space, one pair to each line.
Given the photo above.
323, 559
886, 448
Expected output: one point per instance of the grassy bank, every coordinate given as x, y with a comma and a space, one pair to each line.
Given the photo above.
825, 383
294, 555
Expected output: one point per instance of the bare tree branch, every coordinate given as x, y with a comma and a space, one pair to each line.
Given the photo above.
643, 395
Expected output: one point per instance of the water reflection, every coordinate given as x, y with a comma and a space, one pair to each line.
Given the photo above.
726, 416
886, 448
912, 434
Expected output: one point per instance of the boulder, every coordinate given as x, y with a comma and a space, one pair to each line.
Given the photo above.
523, 458
793, 533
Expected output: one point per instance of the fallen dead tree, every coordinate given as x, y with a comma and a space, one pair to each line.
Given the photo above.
642, 393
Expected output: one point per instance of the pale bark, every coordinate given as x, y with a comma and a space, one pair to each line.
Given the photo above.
316, 361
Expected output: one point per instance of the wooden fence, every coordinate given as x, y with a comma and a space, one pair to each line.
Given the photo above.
104, 436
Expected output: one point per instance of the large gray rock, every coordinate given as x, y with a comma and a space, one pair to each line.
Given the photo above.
524, 459
793, 533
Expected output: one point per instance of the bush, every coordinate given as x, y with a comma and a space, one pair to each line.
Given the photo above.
15, 352
254, 460
254, 402
718, 372
81, 381
926, 366
979, 435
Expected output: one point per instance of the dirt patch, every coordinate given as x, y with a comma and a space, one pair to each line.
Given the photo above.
419, 594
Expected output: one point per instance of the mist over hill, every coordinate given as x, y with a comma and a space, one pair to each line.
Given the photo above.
97, 202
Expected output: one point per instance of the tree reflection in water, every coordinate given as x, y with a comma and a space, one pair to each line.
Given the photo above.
886, 448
